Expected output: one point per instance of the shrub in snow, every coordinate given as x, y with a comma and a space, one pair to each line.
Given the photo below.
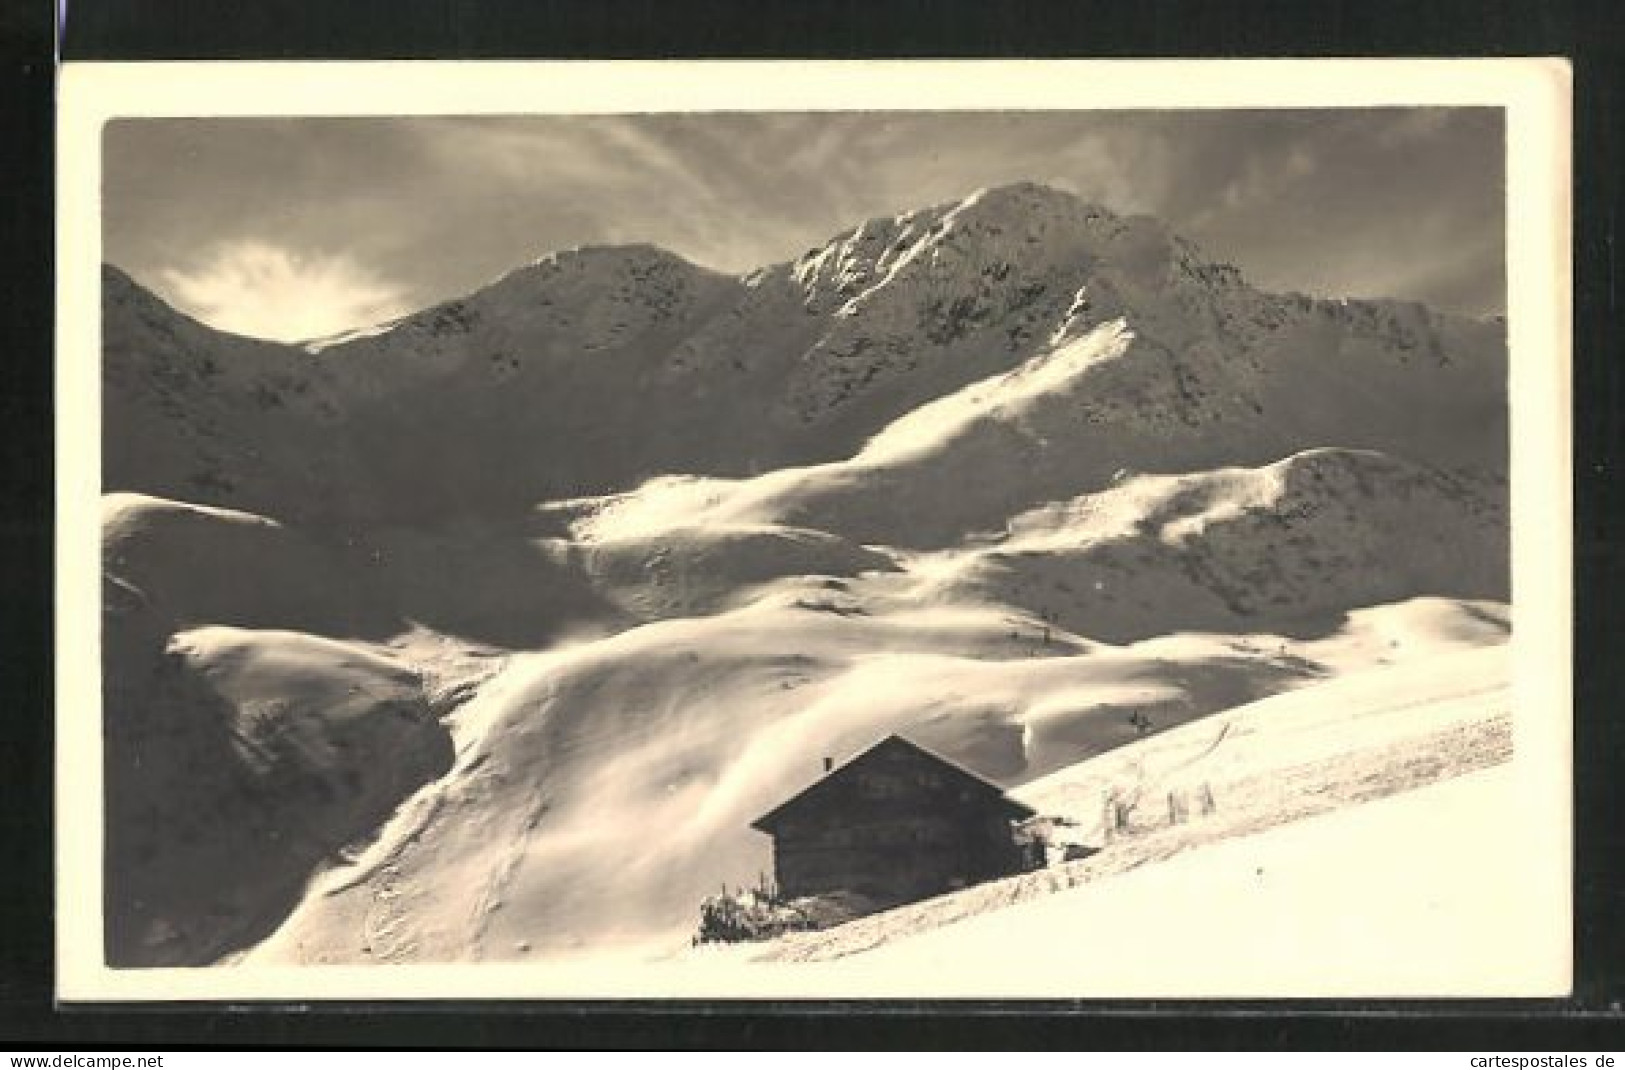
760, 914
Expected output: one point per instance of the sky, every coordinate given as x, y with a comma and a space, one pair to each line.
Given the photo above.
299, 228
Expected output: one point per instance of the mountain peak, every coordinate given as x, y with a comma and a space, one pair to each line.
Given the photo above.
1018, 203
1027, 196
635, 258
614, 251
585, 273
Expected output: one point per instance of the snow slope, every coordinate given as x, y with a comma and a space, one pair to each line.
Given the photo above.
602, 790
1081, 416
236, 761
1406, 896
1358, 848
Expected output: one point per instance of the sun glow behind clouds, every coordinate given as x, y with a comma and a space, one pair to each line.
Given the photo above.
264, 291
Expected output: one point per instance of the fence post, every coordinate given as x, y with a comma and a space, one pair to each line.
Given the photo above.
1177, 809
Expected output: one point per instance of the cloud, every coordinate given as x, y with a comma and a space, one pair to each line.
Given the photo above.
265, 291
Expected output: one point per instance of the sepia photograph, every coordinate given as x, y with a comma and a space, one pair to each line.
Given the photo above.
836, 530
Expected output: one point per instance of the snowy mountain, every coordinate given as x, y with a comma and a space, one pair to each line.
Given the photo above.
589, 371
484, 633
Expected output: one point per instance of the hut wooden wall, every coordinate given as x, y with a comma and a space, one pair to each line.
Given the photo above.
898, 827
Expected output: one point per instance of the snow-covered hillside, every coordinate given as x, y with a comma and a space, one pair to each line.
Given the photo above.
601, 791
1322, 845
483, 635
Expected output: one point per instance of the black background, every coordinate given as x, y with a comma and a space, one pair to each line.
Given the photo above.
1591, 33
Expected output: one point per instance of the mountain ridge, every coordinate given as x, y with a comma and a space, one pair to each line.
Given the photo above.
795, 363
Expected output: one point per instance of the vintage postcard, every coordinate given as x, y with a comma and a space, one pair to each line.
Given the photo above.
838, 530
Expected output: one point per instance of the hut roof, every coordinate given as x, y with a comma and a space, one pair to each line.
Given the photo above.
841, 776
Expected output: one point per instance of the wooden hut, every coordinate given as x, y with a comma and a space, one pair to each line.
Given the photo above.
896, 823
